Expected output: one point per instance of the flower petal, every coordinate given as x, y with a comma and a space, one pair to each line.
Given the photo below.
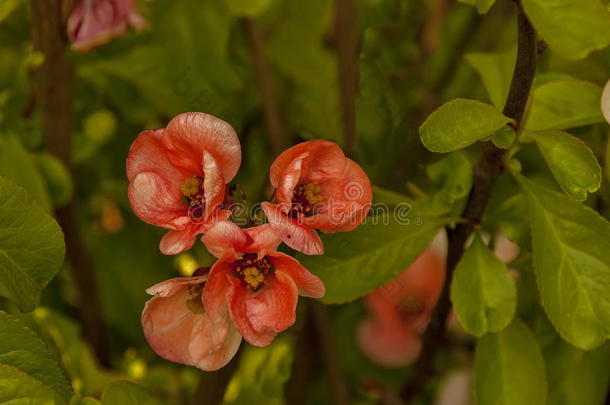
215, 291
289, 179
226, 239
188, 135
213, 184
157, 202
264, 239
605, 102
308, 284
178, 240
291, 232
177, 334
388, 345
170, 287
325, 160
260, 315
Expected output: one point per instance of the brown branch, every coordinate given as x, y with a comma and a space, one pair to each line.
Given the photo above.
323, 326
346, 34
54, 98
212, 385
488, 168
273, 119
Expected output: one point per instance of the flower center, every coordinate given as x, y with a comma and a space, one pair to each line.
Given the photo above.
253, 271
305, 200
193, 302
192, 189
411, 307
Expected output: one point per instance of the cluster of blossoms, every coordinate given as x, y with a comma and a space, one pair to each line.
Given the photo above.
178, 180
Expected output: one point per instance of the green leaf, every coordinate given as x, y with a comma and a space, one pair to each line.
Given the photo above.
261, 375
482, 5
57, 178
452, 176
483, 293
571, 28
17, 164
460, 123
571, 244
27, 370
31, 246
509, 368
564, 104
572, 163
504, 138
7, 7
496, 70
248, 8
357, 262
127, 393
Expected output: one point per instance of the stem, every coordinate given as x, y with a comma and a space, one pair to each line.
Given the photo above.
213, 385
323, 325
273, 120
488, 168
346, 32
54, 98
295, 389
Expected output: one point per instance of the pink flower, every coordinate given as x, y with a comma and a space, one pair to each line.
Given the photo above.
178, 175
400, 312
256, 285
178, 329
93, 23
605, 102
316, 187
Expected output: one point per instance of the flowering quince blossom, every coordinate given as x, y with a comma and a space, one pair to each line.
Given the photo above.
400, 312
316, 187
178, 176
95, 22
605, 102
254, 285
178, 329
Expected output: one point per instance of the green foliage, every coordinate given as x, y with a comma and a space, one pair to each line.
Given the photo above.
248, 8
564, 104
453, 177
482, 5
357, 262
261, 375
571, 162
127, 393
496, 70
27, 370
483, 293
31, 246
572, 28
504, 138
509, 368
56, 177
460, 123
571, 246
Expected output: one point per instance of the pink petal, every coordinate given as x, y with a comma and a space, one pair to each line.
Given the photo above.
179, 335
308, 284
213, 184
147, 154
215, 291
264, 239
157, 202
297, 236
226, 239
179, 240
289, 179
325, 160
172, 286
388, 345
188, 135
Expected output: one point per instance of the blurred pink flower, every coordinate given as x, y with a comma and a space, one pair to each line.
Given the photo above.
253, 284
316, 187
178, 329
177, 176
93, 23
605, 102
399, 312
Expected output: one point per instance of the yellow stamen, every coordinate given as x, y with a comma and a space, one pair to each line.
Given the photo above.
190, 186
253, 277
313, 193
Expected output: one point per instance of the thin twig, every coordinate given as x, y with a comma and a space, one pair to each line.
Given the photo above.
488, 168
273, 119
295, 389
346, 34
336, 381
54, 98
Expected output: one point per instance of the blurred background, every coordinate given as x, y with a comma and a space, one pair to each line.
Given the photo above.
363, 74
